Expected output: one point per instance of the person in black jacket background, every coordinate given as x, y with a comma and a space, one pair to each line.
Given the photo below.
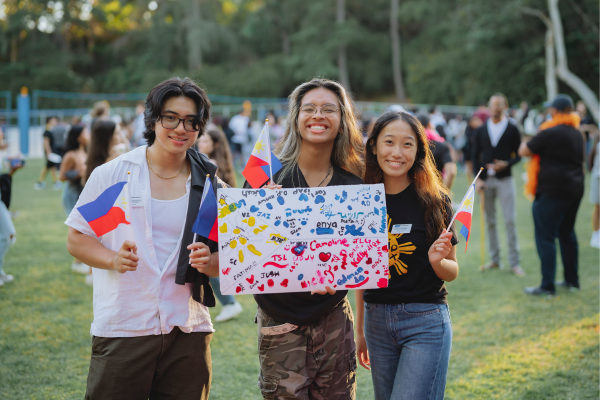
495, 148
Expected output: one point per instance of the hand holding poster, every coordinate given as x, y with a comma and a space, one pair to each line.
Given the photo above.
295, 240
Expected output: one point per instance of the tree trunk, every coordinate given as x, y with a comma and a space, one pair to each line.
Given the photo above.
342, 66
395, 38
551, 84
14, 49
562, 70
194, 37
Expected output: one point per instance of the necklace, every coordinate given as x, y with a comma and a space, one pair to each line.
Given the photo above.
161, 177
319, 185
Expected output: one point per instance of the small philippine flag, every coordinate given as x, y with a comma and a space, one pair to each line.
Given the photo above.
262, 164
465, 213
106, 212
206, 223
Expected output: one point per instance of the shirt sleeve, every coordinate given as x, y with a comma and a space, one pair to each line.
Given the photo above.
446, 157
93, 188
539, 142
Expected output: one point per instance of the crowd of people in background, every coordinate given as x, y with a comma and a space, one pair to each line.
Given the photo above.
73, 149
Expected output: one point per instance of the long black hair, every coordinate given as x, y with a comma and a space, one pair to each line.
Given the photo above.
172, 88
102, 133
425, 178
73, 137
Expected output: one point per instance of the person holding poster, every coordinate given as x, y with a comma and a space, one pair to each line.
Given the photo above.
404, 332
151, 328
306, 340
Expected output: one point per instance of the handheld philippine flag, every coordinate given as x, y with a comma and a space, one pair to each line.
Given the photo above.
465, 212
206, 223
262, 164
106, 212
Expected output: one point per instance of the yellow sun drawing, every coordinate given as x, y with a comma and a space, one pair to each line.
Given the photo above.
260, 146
396, 248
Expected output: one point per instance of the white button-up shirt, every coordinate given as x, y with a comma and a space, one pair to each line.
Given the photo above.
146, 301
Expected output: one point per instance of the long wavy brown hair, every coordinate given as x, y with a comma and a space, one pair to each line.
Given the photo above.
423, 174
222, 156
347, 147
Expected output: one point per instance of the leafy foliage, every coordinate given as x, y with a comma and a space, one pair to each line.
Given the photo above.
453, 51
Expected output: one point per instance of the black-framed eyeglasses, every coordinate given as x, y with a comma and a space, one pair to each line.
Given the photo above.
171, 122
326, 109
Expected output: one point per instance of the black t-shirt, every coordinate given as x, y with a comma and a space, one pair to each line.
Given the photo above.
441, 154
50, 136
412, 278
303, 308
561, 152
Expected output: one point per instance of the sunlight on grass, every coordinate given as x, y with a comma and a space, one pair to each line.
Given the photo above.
529, 366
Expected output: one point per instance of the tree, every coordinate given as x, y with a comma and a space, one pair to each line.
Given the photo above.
562, 70
194, 36
342, 67
395, 38
551, 84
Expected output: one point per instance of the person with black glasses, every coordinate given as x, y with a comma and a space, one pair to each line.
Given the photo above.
152, 329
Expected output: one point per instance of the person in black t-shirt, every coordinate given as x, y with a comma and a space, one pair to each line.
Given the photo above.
442, 156
405, 335
561, 148
306, 340
49, 148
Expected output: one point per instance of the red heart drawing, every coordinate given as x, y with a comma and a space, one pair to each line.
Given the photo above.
377, 271
284, 283
238, 289
270, 283
251, 279
261, 287
226, 271
324, 256
369, 261
384, 248
367, 272
382, 283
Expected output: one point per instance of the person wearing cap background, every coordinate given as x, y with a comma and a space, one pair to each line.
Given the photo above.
559, 150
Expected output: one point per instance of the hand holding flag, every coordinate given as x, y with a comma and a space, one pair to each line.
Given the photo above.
206, 225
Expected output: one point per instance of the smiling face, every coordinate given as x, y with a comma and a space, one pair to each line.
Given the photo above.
322, 127
396, 150
178, 140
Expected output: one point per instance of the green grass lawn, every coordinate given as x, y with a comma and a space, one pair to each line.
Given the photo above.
506, 345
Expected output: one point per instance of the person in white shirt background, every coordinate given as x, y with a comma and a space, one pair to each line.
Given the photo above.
152, 329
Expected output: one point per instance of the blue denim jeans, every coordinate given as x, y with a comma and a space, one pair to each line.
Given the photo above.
225, 299
409, 348
555, 218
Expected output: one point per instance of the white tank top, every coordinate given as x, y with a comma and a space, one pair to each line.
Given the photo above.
168, 219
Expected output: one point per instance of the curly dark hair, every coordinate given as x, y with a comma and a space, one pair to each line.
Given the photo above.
171, 88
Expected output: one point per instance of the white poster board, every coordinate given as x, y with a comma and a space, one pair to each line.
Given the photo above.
296, 240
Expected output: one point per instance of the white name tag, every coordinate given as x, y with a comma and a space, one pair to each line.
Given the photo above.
136, 201
401, 228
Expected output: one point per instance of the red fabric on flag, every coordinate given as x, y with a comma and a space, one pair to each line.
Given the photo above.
253, 172
108, 222
465, 218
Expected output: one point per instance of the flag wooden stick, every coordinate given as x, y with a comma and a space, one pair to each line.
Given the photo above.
269, 149
482, 227
463, 200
